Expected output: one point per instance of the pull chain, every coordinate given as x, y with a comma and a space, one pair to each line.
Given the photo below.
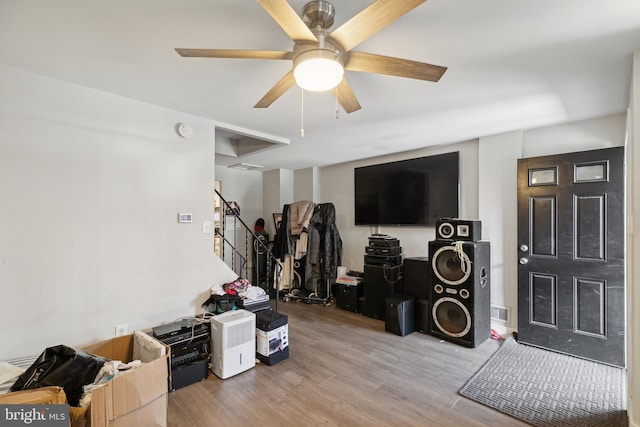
337, 102
301, 113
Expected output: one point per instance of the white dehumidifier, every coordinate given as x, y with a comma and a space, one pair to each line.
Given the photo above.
233, 334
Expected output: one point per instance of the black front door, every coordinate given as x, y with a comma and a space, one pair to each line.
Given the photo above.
571, 285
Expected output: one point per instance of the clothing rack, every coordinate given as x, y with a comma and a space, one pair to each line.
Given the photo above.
309, 277
311, 298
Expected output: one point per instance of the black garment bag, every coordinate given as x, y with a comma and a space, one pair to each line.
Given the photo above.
61, 366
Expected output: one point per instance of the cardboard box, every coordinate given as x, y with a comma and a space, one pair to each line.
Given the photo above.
153, 413
132, 396
52, 395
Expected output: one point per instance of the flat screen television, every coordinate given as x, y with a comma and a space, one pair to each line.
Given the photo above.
408, 192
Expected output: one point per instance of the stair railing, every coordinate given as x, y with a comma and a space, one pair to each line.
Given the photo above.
243, 266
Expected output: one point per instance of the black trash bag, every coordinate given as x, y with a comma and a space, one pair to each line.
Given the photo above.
64, 367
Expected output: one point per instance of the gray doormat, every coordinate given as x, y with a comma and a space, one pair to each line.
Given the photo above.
545, 388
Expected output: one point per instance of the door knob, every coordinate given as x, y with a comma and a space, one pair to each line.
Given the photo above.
524, 248
524, 261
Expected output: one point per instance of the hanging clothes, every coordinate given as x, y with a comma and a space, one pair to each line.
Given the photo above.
300, 216
283, 244
324, 250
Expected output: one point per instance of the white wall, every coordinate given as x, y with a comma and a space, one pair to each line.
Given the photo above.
278, 189
498, 189
337, 187
306, 185
245, 188
91, 186
602, 132
270, 198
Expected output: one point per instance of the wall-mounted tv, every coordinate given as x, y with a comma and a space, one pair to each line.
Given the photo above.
408, 192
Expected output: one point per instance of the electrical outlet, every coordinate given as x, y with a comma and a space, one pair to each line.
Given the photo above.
122, 330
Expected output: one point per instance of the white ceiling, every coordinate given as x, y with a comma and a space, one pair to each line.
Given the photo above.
513, 64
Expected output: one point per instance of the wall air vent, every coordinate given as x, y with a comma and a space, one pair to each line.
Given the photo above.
501, 314
244, 166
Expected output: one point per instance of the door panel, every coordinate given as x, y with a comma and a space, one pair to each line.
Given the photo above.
543, 226
589, 217
542, 298
571, 284
589, 306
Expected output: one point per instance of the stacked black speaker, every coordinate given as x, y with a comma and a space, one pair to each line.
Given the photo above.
460, 288
382, 273
417, 284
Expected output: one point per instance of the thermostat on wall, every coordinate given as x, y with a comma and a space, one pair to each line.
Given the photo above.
185, 217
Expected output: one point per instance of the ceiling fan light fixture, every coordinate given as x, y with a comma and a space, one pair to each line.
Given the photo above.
318, 70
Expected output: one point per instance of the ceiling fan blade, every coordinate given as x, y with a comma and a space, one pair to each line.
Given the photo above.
370, 63
347, 98
372, 19
288, 20
234, 53
277, 90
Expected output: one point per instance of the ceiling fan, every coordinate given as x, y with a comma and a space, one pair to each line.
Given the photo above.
326, 55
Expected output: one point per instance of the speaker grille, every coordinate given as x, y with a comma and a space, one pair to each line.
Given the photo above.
451, 317
450, 266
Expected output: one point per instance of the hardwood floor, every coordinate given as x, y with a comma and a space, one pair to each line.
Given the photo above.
344, 369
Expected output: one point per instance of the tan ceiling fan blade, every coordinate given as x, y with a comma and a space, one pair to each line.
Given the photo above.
370, 63
372, 19
288, 20
277, 91
234, 53
347, 98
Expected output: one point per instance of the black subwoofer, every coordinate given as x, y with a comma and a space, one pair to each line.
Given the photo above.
460, 291
400, 316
